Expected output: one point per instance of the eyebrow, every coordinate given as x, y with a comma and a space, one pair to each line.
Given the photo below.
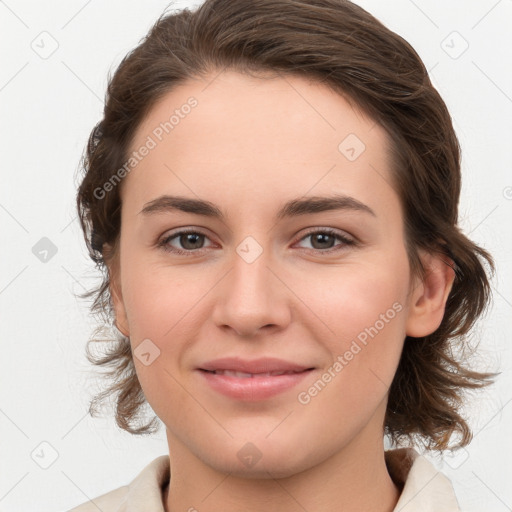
292, 208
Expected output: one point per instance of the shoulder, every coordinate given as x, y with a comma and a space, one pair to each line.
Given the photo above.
145, 489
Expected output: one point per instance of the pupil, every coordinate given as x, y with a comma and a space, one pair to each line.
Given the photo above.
192, 238
322, 238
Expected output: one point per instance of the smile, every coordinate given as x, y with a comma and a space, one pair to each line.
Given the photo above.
249, 386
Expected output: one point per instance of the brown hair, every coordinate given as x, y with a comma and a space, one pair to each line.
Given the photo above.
342, 46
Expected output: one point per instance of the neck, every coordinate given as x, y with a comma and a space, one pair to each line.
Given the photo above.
353, 479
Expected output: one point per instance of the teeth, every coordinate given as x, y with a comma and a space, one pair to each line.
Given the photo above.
245, 375
230, 373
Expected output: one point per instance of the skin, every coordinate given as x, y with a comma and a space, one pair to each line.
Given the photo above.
250, 145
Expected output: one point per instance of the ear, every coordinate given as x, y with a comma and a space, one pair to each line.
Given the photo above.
121, 320
428, 298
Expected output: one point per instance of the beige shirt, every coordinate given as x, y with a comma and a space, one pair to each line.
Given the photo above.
424, 488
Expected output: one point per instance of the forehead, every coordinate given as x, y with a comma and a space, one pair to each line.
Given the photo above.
239, 138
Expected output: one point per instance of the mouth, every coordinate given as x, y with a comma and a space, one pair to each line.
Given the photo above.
253, 380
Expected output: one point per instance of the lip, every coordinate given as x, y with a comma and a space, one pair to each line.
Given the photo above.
260, 385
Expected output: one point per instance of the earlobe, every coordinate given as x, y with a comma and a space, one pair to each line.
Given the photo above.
120, 321
428, 299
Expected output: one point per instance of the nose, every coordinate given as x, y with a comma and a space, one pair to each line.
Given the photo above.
252, 298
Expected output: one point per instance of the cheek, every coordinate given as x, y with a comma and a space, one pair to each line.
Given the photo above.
348, 300
163, 311
362, 309
163, 306
157, 297
366, 312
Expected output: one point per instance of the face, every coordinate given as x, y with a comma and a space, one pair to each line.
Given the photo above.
297, 263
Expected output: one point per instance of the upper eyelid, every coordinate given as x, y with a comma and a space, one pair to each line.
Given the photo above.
335, 231
184, 231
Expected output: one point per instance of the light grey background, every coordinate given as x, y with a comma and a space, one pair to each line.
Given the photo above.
49, 104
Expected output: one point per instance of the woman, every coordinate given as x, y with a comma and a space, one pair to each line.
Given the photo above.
273, 194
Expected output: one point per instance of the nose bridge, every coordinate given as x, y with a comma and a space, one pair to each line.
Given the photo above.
250, 279
251, 296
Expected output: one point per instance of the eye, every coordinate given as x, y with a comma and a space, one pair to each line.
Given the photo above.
189, 240
322, 240
192, 241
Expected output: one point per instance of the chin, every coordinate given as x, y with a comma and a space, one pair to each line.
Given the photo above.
264, 459
276, 467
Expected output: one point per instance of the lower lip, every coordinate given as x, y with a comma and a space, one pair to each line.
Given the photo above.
253, 388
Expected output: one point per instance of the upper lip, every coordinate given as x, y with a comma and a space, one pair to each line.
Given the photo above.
262, 365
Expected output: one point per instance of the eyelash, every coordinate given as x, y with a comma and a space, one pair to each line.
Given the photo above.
163, 244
